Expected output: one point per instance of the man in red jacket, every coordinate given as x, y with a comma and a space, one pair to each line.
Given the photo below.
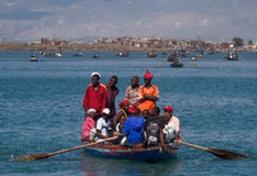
95, 95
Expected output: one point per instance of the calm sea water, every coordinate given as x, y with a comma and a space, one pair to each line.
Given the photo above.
41, 111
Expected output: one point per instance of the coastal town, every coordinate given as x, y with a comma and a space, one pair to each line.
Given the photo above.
127, 43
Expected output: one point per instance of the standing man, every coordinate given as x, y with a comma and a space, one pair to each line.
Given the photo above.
112, 92
95, 95
133, 92
149, 93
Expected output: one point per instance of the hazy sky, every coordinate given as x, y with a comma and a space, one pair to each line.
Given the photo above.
75, 19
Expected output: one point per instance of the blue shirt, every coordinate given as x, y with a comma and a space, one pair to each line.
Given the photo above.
134, 129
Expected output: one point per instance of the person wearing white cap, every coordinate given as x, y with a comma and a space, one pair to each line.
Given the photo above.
96, 74
103, 125
88, 124
95, 94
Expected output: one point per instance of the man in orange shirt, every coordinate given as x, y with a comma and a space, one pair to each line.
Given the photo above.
149, 92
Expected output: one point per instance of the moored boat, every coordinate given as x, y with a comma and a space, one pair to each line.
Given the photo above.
177, 65
33, 58
231, 56
151, 154
123, 53
78, 54
152, 54
95, 56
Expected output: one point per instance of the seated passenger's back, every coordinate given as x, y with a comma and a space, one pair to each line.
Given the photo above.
152, 128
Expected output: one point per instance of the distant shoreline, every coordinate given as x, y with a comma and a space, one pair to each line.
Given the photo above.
125, 44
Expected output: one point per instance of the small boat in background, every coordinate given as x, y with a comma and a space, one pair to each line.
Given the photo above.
231, 56
173, 57
151, 154
177, 65
183, 53
33, 58
58, 54
95, 56
78, 54
152, 54
123, 53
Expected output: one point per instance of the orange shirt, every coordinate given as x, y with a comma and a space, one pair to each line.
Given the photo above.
151, 91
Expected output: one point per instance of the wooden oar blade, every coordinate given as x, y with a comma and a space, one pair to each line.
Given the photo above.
225, 154
32, 157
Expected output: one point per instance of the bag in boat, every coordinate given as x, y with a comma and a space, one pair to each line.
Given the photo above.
169, 132
152, 133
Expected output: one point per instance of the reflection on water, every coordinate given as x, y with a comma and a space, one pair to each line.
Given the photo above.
94, 166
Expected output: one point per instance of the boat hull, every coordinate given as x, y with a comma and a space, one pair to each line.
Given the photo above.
152, 154
179, 65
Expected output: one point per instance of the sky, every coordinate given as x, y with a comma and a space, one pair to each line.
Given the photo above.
213, 20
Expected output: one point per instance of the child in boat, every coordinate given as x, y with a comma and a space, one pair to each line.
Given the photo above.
133, 129
103, 125
88, 125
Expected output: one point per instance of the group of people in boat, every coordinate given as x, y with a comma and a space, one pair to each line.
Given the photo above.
138, 122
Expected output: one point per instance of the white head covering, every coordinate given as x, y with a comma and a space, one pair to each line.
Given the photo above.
96, 74
106, 111
91, 110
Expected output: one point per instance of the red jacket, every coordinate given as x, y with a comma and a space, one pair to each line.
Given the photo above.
95, 97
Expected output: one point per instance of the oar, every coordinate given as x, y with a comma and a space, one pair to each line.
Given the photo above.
38, 156
224, 154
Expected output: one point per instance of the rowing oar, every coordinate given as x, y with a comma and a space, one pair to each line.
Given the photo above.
224, 154
38, 156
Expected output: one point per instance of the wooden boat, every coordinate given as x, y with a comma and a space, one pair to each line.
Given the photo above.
151, 154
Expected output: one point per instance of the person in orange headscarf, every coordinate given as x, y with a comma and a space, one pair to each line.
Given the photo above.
149, 92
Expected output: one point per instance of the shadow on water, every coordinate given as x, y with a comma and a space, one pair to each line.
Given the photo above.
93, 166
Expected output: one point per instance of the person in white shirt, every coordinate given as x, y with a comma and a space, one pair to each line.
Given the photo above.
171, 130
103, 125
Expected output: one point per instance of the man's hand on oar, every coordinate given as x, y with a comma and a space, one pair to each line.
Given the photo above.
38, 156
224, 154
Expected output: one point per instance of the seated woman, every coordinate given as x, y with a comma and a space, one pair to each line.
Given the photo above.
88, 126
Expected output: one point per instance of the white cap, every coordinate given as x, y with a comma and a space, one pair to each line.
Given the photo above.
91, 110
106, 111
96, 74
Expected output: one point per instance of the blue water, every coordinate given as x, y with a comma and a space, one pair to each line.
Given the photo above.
40, 111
